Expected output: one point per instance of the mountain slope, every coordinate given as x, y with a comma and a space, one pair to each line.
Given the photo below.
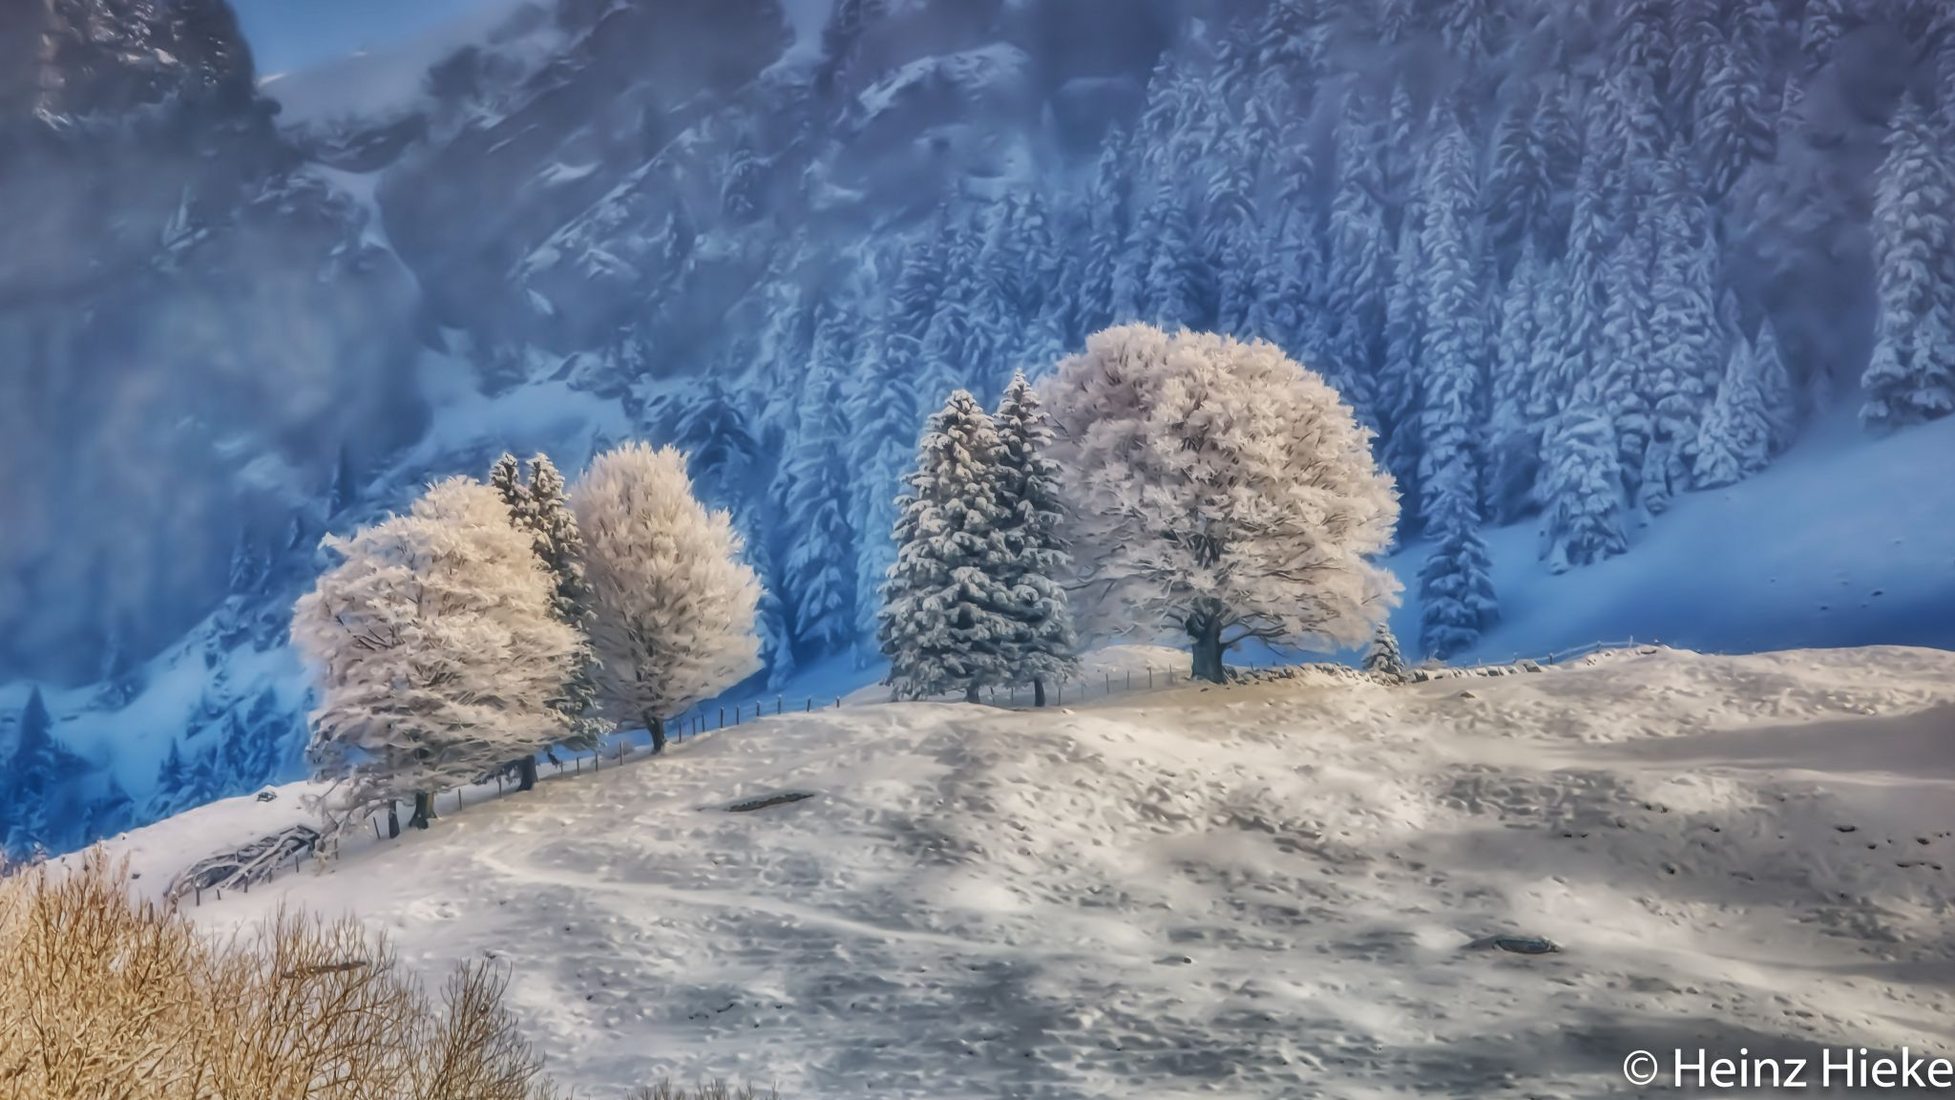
1257, 891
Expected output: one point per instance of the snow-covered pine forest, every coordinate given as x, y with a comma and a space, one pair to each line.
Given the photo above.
1571, 261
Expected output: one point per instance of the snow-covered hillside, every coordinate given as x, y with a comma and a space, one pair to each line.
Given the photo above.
1253, 891
1582, 265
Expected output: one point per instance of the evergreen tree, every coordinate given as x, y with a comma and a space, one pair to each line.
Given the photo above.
1043, 647
1580, 487
1736, 437
345, 488
1681, 366
1177, 292
1452, 360
1400, 392
884, 407
1512, 434
821, 548
1911, 377
1820, 29
540, 509
1456, 594
37, 767
1359, 274
167, 796
1109, 221
1382, 658
947, 621
1778, 397
1734, 128
1522, 187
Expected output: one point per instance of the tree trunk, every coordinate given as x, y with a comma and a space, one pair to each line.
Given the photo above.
656, 727
1038, 692
526, 767
1207, 636
393, 820
423, 810
971, 693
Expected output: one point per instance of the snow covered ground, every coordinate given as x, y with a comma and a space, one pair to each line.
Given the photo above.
1257, 891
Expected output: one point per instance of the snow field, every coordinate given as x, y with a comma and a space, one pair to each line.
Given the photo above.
1254, 891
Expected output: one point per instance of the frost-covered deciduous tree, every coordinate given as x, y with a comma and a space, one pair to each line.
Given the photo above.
947, 622
673, 605
1219, 492
1912, 375
436, 652
1042, 648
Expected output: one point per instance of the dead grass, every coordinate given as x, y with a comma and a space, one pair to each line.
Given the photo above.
715, 1091
104, 997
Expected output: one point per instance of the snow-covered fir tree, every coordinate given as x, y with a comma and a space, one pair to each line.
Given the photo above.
1736, 437
821, 544
948, 622
674, 606
1457, 591
1584, 519
539, 508
1042, 649
435, 650
30, 782
1382, 657
1911, 377
1219, 493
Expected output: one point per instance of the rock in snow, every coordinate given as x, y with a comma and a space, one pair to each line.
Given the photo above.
980, 902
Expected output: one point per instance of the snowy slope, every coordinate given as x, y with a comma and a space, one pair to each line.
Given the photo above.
1252, 892
1840, 543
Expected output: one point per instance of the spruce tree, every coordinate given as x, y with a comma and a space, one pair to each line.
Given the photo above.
1580, 487
1911, 377
539, 508
1776, 392
1042, 650
171, 776
1382, 658
821, 546
947, 623
1735, 441
1457, 592
32, 778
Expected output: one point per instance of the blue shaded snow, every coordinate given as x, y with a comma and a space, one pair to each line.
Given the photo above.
1846, 540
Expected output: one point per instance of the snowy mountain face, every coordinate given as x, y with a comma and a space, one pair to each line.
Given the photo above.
1575, 263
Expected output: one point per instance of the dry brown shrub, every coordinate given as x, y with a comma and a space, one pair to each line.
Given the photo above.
718, 1090
103, 997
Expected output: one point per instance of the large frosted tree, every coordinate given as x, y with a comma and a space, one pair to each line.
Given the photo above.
1220, 493
1912, 375
674, 607
947, 622
1042, 647
436, 652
